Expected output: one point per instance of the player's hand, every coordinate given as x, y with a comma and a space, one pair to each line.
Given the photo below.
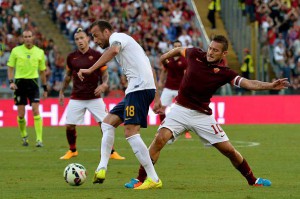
61, 98
13, 86
157, 107
83, 71
100, 89
280, 84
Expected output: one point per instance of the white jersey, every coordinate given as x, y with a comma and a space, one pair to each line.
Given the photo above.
134, 62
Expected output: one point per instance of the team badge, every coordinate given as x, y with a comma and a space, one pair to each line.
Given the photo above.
216, 70
197, 59
28, 56
91, 57
179, 63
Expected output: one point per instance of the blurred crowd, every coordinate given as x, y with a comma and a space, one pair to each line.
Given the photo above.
279, 24
155, 24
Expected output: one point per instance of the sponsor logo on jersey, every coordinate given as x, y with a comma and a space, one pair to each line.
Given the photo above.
216, 70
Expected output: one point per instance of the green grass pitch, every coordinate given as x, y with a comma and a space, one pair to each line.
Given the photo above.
187, 168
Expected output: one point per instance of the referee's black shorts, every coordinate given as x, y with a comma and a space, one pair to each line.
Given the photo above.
28, 89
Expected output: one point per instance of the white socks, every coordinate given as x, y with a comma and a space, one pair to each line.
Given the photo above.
141, 152
106, 145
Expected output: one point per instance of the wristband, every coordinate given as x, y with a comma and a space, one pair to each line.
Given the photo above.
11, 81
45, 88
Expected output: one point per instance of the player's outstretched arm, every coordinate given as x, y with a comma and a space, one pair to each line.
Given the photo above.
278, 84
173, 53
157, 107
108, 55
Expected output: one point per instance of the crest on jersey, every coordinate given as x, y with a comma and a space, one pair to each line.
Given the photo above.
197, 59
216, 70
91, 57
179, 63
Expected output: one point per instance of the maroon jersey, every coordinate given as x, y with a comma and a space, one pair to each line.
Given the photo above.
175, 74
201, 81
84, 90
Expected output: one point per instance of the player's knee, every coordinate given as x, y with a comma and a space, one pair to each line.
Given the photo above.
163, 136
131, 129
112, 120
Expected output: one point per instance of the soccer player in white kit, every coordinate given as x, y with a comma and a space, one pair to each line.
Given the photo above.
133, 109
85, 95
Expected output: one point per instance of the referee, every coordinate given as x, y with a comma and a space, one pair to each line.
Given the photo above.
24, 63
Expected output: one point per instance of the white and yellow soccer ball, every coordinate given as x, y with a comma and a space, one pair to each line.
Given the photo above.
75, 174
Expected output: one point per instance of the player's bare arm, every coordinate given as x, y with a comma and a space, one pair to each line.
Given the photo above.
44, 83
108, 55
259, 85
104, 86
10, 74
66, 82
162, 78
173, 53
157, 107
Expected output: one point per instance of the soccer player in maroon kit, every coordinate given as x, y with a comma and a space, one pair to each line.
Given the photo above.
170, 79
85, 95
205, 73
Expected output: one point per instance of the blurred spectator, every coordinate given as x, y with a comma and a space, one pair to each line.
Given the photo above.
114, 74
184, 38
290, 69
247, 68
296, 86
250, 9
213, 7
4, 53
59, 67
279, 52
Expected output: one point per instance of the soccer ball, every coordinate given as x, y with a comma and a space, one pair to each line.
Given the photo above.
75, 174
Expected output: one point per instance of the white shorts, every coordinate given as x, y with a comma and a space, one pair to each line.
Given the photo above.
167, 96
77, 108
181, 119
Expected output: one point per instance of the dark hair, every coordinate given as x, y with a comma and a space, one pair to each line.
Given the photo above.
102, 25
177, 41
221, 39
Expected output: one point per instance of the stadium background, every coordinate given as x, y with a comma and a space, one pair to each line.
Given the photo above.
155, 24
271, 146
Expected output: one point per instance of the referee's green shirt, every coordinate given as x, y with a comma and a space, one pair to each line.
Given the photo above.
27, 62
